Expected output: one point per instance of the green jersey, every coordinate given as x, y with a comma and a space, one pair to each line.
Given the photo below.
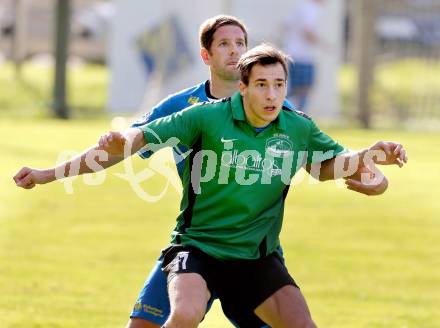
236, 180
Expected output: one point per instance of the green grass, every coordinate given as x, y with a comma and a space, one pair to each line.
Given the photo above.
79, 260
29, 94
405, 92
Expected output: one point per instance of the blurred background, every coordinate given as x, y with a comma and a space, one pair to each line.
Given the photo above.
72, 69
379, 66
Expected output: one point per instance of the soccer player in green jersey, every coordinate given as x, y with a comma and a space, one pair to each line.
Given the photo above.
244, 152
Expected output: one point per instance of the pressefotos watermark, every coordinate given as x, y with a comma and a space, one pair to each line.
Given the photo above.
278, 164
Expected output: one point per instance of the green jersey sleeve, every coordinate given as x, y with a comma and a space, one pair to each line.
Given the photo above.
182, 127
321, 147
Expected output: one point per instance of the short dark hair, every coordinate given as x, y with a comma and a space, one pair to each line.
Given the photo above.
211, 25
263, 54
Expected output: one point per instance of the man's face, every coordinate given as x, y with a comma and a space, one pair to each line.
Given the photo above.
263, 97
226, 49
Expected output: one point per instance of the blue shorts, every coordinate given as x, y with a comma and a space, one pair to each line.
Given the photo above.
301, 75
153, 302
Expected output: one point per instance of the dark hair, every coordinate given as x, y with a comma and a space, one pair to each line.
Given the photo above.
263, 54
211, 25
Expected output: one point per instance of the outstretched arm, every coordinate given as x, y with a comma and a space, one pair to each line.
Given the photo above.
112, 148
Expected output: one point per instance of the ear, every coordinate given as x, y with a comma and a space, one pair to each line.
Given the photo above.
243, 88
204, 53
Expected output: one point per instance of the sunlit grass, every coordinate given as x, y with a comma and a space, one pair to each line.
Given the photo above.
403, 91
29, 93
79, 260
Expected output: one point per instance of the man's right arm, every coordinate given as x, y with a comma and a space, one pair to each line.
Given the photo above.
112, 148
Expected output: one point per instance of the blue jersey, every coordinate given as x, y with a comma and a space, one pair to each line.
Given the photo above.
175, 103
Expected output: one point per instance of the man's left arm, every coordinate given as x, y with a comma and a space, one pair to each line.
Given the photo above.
347, 164
359, 168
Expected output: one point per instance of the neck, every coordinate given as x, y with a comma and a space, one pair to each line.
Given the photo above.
222, 88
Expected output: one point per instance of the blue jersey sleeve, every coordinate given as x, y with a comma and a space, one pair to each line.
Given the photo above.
288, 104
162, 109
170, 105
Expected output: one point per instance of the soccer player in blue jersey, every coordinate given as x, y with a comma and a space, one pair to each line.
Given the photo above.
223, 39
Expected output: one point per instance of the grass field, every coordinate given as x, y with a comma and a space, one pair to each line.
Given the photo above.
405, 92
29, 94
79, 260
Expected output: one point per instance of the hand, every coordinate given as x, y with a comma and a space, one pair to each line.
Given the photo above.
27, 178
113, 143
395, 153
373, 183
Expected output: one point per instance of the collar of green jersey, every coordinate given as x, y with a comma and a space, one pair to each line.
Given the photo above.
239, 115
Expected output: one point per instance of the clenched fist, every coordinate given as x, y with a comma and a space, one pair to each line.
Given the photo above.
113, 143
27, 177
